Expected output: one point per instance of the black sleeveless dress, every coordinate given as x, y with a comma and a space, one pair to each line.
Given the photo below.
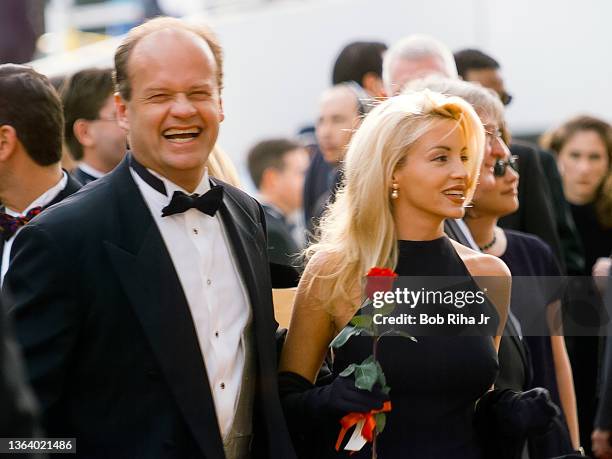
434, 382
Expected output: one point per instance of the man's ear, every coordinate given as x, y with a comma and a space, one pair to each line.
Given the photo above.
8, 141
122, 110
373, 85
80, 128
269, 179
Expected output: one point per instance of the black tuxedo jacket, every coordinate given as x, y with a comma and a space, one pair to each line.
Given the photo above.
72, 186
18, 413
107, 334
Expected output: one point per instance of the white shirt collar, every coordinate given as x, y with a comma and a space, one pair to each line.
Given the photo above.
44, 199
91, 170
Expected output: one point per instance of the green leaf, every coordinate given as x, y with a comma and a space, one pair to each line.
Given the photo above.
381, 421
348, 370
348, 331
366, 375
363, 321
386, 390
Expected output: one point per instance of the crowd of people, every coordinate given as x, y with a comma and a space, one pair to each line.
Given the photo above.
137, 274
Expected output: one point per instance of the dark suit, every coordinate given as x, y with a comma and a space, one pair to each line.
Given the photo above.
113, 356
317, 183
282, 248
82, 176
18, 413
72, 186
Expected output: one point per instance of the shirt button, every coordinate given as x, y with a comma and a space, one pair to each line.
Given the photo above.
195, 231
216, 334
208, 282
222, 385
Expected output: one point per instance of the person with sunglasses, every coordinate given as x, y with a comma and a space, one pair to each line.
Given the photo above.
527, 256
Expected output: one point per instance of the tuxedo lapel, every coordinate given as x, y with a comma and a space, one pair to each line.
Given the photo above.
72, 186
1, 247
147, 274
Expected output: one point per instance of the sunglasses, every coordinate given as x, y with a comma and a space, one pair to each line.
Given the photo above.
499, 169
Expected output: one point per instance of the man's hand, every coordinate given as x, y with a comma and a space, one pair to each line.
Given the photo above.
601, 444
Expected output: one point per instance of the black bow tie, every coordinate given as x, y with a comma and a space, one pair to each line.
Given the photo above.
208, 203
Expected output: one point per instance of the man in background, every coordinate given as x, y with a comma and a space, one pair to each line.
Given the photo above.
340, 114
92, 134
278, 167
359, 62
414, 57
31, 177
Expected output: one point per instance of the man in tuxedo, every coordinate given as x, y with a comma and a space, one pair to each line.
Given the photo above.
359, 62
92, 134
31, 178
143, 303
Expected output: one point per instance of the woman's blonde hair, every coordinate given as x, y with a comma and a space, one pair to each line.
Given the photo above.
358, 232
220, 166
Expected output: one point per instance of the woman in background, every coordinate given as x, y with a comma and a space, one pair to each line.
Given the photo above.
583, 146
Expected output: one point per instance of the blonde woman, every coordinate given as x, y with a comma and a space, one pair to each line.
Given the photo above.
413, 163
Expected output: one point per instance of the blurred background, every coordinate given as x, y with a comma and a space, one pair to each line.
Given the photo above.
279, 54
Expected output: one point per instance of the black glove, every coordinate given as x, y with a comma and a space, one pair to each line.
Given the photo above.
517, 414
312, 412
336, 399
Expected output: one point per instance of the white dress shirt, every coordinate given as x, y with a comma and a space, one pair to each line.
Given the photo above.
219, 305
43, 200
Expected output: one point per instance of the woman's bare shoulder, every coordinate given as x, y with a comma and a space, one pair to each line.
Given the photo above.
481, 264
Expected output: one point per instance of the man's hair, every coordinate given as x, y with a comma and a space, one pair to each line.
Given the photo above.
30, 104
83, 96
268, 154
415, 47
356, 60
473, 59
124, 51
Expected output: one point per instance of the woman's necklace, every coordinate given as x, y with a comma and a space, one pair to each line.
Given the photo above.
489, 244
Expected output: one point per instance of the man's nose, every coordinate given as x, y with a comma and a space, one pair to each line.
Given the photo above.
182, 107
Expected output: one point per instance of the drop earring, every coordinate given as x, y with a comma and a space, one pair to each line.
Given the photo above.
394, 191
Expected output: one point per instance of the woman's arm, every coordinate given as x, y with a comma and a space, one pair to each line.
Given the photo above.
565, 382
311, 328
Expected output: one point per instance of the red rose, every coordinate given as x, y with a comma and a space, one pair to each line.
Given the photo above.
379, 280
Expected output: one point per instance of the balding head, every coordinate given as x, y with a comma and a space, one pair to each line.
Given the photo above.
415, 57
339, 116
169, 26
